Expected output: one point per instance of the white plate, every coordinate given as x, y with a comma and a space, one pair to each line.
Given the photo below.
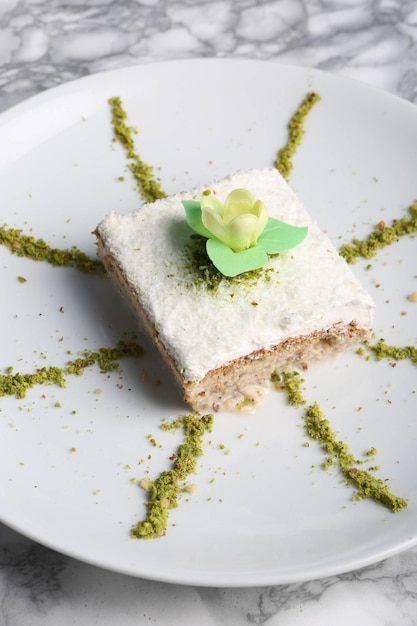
268, 517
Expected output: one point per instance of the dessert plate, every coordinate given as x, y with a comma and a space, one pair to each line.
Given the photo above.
262, 509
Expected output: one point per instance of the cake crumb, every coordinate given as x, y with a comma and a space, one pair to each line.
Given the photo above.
145, 484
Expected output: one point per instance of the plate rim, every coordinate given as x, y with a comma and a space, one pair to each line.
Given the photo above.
46, 97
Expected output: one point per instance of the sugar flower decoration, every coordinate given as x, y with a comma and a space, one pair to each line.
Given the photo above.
239, 233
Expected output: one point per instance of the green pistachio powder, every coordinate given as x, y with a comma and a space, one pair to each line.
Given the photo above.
337, 452
165, 490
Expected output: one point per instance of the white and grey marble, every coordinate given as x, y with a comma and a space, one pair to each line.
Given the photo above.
47, 42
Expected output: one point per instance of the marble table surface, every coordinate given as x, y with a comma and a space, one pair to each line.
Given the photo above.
46, 43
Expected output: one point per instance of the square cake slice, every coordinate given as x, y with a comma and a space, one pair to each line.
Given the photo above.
224, 337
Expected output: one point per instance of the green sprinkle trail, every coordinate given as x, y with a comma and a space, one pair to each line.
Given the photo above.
17, 384
367, 485
291, 383
381, 350
337, 452
143, 173
165, 490
38, 250
296, 129
380, 237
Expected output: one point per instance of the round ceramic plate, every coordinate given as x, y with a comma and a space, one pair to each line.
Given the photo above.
264, 511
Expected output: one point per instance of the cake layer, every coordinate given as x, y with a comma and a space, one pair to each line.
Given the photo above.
203, 322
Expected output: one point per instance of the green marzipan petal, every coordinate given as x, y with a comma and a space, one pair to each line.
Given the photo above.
231, 263
278, 236
193, 215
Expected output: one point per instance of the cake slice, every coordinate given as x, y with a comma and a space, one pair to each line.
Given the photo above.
224, 337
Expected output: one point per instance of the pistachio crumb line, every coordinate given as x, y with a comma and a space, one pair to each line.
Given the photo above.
291, 383
167, 487
17, 384
38, 250
318, 429
367, 485
143, 173
380, 237
296, 129
381, 350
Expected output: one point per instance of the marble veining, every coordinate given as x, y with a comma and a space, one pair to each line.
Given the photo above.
46, 43
31, 578
43, 44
